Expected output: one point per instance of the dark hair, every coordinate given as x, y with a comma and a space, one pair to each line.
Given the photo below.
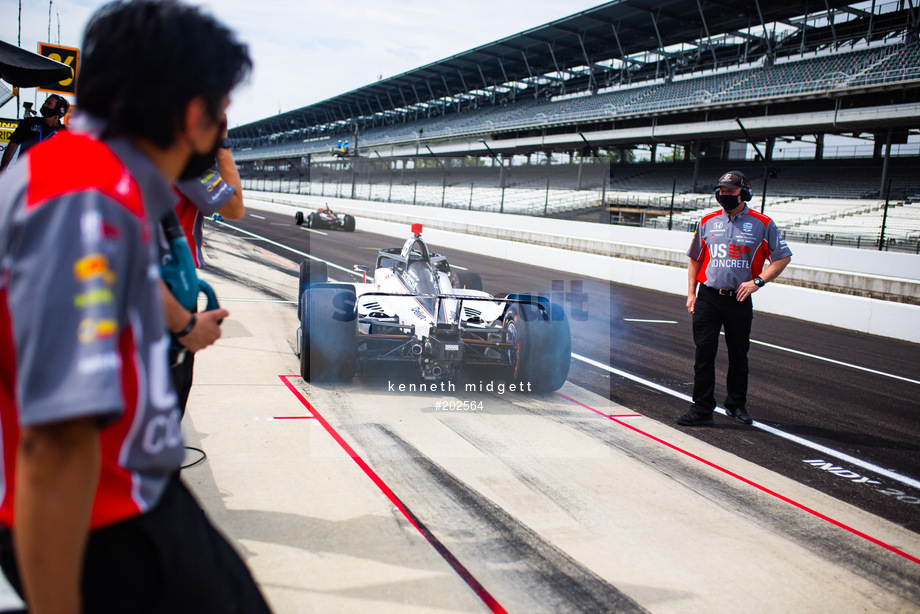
144, 60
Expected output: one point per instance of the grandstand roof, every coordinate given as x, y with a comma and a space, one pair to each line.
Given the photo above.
616, 29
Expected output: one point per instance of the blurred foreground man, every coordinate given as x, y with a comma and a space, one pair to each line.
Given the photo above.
94, 516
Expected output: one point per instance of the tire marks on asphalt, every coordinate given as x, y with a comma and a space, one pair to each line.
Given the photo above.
494, 542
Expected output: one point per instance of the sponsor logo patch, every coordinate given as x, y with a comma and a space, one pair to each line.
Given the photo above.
92, 267
91, 329
737, 251
96, 296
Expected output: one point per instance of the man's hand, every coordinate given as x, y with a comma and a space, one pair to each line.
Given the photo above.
746, 289
206, 330
691, 303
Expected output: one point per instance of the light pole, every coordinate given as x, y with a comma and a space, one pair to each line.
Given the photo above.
594, 152
766, 165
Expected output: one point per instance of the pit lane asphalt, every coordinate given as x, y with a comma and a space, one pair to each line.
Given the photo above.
647, 334
352, 498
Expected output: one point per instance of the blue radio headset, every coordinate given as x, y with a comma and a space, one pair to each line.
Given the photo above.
178, 273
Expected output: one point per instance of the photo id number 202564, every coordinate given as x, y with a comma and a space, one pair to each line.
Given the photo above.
457, 405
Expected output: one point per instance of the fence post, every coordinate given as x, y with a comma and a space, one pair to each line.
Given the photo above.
671, 211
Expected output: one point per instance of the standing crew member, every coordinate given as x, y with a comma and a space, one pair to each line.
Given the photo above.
34, 130
95, 517
214, 191
727, 259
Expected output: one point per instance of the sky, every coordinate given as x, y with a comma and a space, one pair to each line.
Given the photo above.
306, 51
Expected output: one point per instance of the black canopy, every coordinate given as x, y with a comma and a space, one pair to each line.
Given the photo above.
26, 69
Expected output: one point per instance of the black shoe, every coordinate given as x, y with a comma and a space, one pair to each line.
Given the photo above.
692, 418
740, 415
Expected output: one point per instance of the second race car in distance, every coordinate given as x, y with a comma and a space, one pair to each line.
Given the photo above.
416, 310
325, 218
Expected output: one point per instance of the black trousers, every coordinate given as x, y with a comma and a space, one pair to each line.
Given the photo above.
182, 373
712, 313
170, 560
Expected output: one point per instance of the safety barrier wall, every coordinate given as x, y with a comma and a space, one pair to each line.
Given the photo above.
653, 259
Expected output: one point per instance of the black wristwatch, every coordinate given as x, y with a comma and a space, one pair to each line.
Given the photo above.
188, 327
224, 144
759, 282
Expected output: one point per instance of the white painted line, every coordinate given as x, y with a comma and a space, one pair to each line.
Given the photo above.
457, 266
258, 217
769, 429
290, 249
836, 362
253, 300
650, 321
318, 232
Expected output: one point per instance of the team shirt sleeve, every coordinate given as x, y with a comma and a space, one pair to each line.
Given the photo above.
209, 192
696, 246
779, 249
67, 341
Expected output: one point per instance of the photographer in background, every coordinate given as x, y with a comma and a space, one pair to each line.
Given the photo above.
33, 130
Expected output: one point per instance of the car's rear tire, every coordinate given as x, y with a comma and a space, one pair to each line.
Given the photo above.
468, 280
541, 341
298, 218
310, 221
349, 223
329, 333
311, 272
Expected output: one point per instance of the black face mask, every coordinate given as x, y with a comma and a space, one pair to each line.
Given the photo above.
46, 112
198, 163
728, 201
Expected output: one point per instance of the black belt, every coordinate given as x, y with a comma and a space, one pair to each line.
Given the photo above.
720, 291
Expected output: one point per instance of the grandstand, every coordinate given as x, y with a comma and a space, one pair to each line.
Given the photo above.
569, 119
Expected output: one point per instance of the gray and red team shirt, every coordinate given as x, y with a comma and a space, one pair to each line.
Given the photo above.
201, 197
733, 251
82, 330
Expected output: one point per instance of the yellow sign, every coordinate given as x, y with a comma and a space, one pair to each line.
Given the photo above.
7, 126
65, 55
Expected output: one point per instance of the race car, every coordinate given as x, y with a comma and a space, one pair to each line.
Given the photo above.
325, 218
416, 310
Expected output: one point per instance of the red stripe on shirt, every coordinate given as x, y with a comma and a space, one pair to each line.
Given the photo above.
187, 213
90, 165
701, 276
760, 256
9, 414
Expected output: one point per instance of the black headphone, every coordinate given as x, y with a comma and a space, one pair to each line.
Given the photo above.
62, 106
746, 192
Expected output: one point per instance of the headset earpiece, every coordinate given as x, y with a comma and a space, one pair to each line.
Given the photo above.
62, 106
746, 192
